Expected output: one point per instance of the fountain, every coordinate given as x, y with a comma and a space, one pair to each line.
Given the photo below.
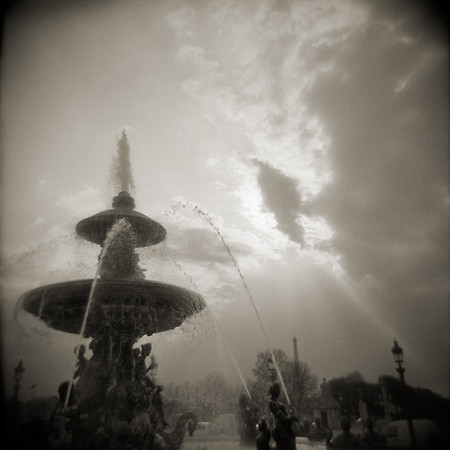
115, 309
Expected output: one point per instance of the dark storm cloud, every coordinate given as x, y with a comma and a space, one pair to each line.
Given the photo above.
389, 148
385, 109
282, 198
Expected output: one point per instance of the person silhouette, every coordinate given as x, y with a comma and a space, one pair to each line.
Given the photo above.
346, 438
370, 436
283, 434
263, 439
320, 433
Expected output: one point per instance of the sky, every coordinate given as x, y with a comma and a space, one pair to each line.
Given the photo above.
295, 151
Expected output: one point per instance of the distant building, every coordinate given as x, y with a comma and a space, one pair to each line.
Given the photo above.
326, 408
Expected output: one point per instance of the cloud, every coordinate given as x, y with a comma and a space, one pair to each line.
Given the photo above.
200, 245
256, 91
282, 198
388, 150
257, 88
387, 203
78, 204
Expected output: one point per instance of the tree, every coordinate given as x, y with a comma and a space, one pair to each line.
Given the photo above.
212, 396
174, 400
305, 384
299, 381
208, 397
422, 403
347, 390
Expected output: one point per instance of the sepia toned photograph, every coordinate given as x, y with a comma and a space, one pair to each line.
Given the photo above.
224, 225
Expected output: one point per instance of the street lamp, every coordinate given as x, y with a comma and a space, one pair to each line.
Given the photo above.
18, 374
397, 352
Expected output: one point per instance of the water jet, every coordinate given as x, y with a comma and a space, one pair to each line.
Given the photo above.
210, 222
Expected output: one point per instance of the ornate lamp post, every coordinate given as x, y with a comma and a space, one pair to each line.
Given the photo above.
397, 352
18, 374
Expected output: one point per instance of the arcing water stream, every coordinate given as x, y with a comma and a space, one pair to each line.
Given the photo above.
208, 219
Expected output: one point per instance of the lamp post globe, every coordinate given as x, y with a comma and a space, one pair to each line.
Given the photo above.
397, 352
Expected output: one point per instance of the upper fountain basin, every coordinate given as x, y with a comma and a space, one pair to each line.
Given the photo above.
131, 307
146, 231
95, 228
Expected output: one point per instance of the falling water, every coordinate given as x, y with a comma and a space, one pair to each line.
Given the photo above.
230, 353
236, 266
219, 335
15, 260
28, 324
119, 226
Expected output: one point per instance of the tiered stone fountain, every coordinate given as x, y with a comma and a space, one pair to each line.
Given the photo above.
115, 310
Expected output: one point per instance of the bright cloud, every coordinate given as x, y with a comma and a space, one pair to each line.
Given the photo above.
258, 87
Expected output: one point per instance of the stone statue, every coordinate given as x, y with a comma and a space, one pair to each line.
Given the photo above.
81, 362
140, 367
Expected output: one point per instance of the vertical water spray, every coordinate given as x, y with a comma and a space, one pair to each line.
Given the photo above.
123, 175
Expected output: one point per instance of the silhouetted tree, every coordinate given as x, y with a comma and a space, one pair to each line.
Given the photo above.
347, 391
427, 404
173, 400
208, 397
265, 373
212, 396
422, 403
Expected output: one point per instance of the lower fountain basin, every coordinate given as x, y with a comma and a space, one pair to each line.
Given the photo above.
118, 307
